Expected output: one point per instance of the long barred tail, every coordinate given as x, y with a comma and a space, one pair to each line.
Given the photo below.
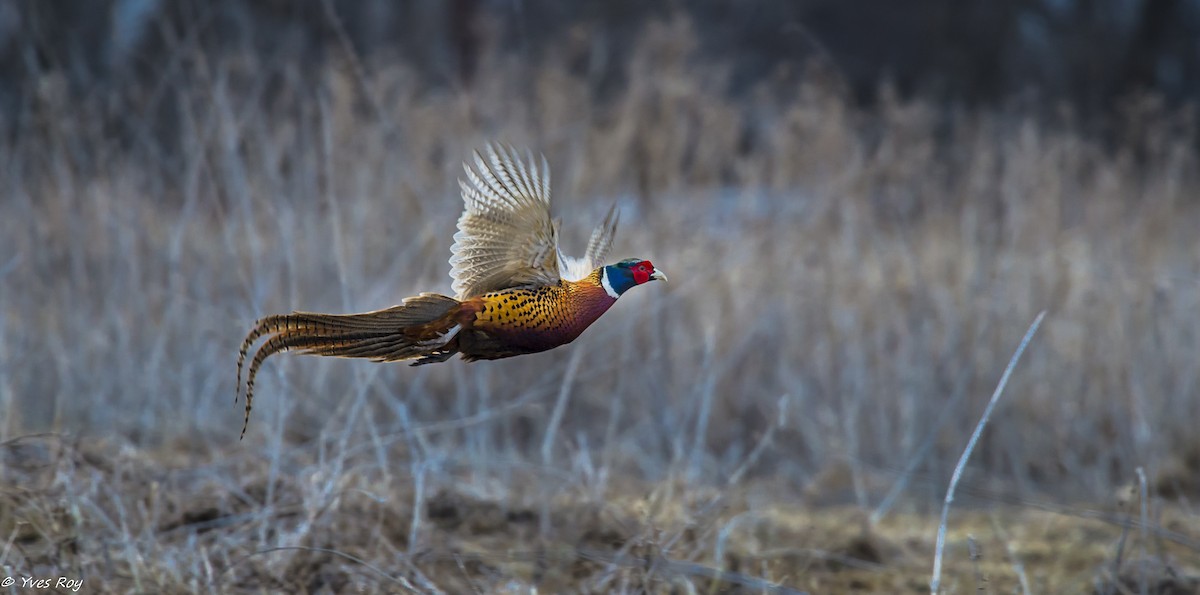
397, 333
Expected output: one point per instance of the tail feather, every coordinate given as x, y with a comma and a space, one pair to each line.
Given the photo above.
406, 331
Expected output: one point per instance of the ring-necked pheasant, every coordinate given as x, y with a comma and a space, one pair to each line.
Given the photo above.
515, 291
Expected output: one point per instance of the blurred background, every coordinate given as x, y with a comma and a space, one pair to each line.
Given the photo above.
1088, 54
862, 205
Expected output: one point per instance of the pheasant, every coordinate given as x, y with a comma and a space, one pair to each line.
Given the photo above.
515, 291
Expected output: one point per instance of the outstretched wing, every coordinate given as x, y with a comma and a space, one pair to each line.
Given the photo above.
505, 236
598, 247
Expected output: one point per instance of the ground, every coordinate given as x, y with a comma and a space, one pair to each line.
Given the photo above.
125, 520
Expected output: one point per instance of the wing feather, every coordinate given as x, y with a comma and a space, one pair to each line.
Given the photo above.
598, 247
505, 236
601, 241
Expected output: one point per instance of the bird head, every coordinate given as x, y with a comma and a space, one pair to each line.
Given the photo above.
618, 278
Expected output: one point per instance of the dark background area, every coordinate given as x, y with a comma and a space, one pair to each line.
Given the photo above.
1088, 54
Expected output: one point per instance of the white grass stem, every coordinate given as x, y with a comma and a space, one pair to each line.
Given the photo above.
936, 581
414, 528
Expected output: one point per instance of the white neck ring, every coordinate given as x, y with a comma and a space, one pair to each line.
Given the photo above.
608, 288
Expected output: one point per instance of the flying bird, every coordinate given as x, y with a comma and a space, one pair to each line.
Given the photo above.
515, 291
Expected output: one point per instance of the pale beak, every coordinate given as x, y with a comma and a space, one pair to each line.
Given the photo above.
657, 274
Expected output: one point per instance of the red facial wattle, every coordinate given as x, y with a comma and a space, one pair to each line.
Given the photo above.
642, 272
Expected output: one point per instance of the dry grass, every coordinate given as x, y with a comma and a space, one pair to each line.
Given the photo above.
167, 520
868, 274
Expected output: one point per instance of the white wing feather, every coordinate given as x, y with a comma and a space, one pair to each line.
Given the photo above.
599, 245
505, 235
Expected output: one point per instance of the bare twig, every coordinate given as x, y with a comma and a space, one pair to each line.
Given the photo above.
935, 582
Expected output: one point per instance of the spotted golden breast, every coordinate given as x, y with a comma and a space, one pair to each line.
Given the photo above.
536, 319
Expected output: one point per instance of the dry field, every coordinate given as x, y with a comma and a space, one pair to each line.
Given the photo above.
846, 287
